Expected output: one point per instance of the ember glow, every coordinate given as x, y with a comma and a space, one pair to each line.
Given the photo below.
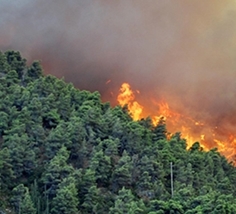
191, 129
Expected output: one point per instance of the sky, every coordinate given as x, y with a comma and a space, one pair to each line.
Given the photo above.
182, 52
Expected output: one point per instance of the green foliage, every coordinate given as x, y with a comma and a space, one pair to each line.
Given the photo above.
63, 151
27, 206
16, 62
6, 170
56, 170
3, 122
21, 200
93, 202
34, 71
66, 200
122, 174
101, 164
125, 203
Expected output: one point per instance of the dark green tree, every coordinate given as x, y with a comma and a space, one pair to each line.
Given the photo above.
159, 131
125, 203
27, 205
94, 202
6, 170
16, 62
34, 72
122, 174
56, 170
101, 164
66, 200
21, 200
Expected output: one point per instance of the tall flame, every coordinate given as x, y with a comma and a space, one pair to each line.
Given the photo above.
127, 96
191, 129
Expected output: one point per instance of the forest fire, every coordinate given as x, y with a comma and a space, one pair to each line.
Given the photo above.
191, 130
127, 96
187, 66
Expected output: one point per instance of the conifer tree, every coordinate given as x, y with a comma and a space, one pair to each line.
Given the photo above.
6, 170
66, 199
122, 174
125, 203
56, 170
101, 164
16, 62
34, 71
94, 201
27, 206
21, 200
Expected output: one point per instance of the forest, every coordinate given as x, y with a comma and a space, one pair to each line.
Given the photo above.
63, 151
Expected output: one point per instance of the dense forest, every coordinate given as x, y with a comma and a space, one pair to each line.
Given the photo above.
63, 151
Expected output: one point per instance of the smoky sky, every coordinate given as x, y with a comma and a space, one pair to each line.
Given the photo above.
183, 52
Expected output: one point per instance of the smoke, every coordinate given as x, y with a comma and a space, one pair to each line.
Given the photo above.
181, 51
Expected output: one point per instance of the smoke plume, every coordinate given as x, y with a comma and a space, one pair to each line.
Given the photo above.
183, 52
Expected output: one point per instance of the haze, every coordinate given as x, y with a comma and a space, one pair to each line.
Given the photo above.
183, 52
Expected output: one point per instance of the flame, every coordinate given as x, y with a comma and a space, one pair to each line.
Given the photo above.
127, 96
192, 130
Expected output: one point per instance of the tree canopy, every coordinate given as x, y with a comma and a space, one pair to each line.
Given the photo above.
64, 151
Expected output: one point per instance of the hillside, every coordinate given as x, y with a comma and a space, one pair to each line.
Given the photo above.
64, 151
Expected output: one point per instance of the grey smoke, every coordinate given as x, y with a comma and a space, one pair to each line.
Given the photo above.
183, 52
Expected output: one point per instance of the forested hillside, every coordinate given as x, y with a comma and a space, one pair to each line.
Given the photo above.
63, 151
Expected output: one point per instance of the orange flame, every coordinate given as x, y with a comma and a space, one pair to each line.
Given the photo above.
190, 129
127, 96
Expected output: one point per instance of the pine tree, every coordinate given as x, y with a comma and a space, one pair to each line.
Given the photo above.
125, 204
16, 62
66, 200
122, 174
6, 170
56, 170
159, 131
21, 200
34, 72
94, 201
27, 206
101, 164
4, 118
